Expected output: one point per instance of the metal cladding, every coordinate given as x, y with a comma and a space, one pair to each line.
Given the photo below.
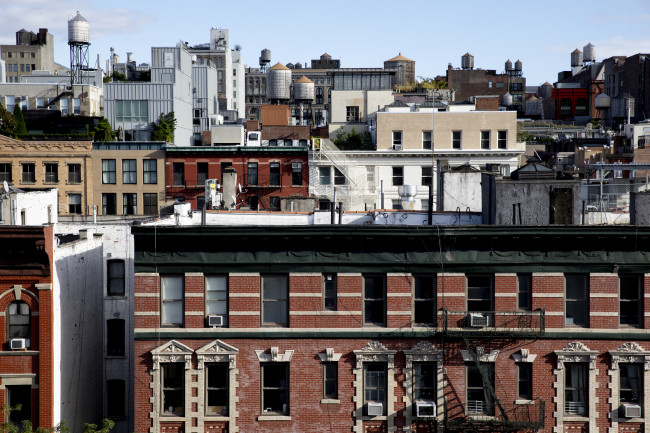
78, 30
589, 53
518, 65
576, 58
278, 82
467, 61
303, 89
602, 101
508, 65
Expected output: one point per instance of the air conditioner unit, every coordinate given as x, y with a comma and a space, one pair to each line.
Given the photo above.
216, 320
478, 320
631, 410
397, 147
17, 343
374, 409
295, 166
425, 409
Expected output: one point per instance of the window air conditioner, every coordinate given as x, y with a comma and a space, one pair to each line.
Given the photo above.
425, 409
216, 320
478, 320
397, 147
631, 410
295, 166
374, 409
17, 343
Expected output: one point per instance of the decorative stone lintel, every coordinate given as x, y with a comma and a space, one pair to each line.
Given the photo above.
480, 355
576, 352
217, 351
630, 353
329, 355
172, 351
524, 355
375, 352
274, 355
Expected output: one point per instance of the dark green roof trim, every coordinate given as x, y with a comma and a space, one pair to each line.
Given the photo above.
344, 248
229, 150
261, 334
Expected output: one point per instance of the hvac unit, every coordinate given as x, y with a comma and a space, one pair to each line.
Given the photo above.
374, 409
425, 409
215, 321
397, 147
296, 166
631, 410
478, 320
17, 343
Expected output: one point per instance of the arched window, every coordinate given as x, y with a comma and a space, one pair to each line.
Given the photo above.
18, 314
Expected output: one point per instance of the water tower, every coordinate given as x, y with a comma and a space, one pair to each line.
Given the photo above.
79, 40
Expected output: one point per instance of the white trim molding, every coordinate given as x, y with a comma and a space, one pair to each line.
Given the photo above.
628, 353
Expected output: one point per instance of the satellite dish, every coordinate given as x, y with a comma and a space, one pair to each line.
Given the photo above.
234, 200
5, 186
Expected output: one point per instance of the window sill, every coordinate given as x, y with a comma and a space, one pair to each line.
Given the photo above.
631, 420
51, 182
575, 418
274, 418
166, 418
330, 401
28, 182
524, 401
374, 418
482, 417
27, 352
216, 417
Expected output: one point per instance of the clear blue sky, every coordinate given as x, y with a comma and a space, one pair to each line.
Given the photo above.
362, 33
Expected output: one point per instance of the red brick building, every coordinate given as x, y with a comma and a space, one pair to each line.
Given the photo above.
27, 324
266, 174
391, 329
571, 103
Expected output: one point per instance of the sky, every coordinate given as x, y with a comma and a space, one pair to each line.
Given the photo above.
361, 33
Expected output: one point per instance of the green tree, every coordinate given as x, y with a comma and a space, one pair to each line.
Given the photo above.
103, 131
105, 426
21, 127
7, 122
353, 140
163, 130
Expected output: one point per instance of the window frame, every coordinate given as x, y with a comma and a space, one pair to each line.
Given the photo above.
418, 378
368, 388
422, 302
74, 208
427, 178
330, 292
282, 300
266, 388
150, 171
109, 208
6, 172
584, 389
398, 175
28, 176
525, 380
502, 139
146, 206
456, 139
20, 329
488, 399
427, 144
576, 302
634, 301
166, 300
109, 172
221, 299
165, 387
129, 203
16, 391
178, 173
351, 112
51, 172
370, 302
129, 171
222, 388
275, 173
325, 175
485, 139
397, 138
330, 376
339, 177
472, 299
74, 173
119, 279
625, 366
525, 296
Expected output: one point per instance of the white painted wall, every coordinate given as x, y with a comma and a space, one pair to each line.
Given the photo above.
39, 207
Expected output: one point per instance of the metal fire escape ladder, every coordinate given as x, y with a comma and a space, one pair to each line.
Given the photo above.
486, 382
338, 160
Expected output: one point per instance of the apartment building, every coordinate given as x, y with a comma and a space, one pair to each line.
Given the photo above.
32, 52
473, 328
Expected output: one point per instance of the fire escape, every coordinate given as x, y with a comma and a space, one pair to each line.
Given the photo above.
261, 186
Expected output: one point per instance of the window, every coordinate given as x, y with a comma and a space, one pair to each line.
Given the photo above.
565, 107
479, 293
374, 300
115, 398
132, 111
427, 176
330, 380
74, 203
5, 172
577, 300
485, 139
51, 172
329, 292
581, 107
516, 87
19, 320
150, 203
253, 203
375, 384
275, 297
216, 297
427, 140
74, 173
252, 173
424, 382
398, 176
575, 389
129, 171
351, 113
275, 388
115, 337
324, 176
524, 292
296, 173
630, 383
479, 398
456, 139
129, 202
424, 300
499, 85
109, 204
216, 389
274, 171
108, 171
115, 277
502, 139
201, 173
397, 139
76, 105
274, 204
339, 177
396, 204
150, 171
172, 301
178, 169
29, 172
525, 380
173, 388
19, 395
631, 300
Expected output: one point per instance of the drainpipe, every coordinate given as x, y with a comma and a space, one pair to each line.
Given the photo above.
340, 212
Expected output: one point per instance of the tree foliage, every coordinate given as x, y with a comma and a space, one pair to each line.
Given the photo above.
163, 129
353, 140
104, 132
423, 84
6, 426
7, 122
21, 127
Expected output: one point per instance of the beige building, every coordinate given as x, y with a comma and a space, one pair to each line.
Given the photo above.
65, 165
129, 178
32, 52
